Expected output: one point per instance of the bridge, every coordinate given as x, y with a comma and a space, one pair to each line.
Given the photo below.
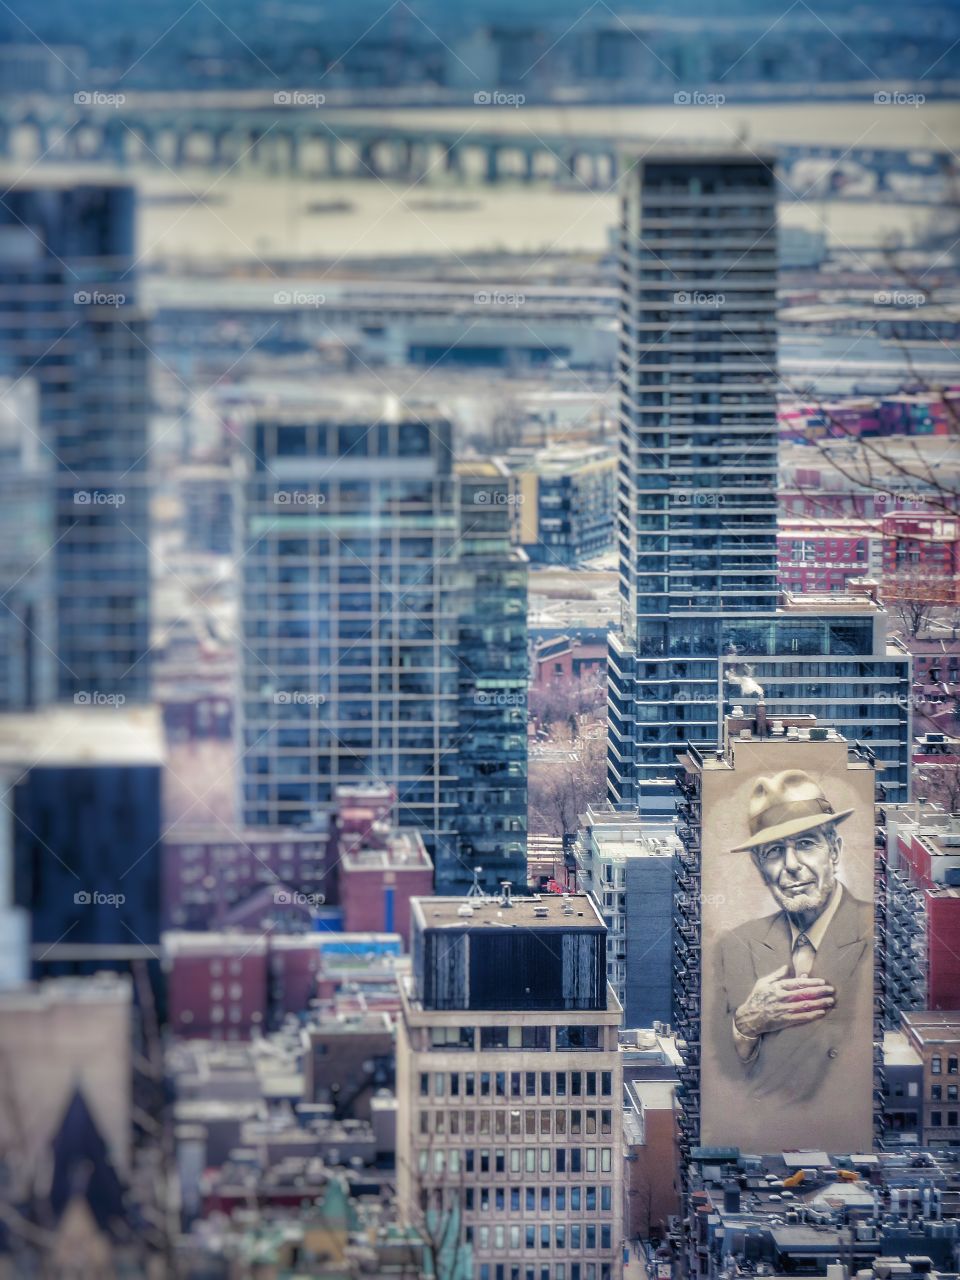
290, 136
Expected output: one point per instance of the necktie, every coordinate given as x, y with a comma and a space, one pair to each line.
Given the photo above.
804, 954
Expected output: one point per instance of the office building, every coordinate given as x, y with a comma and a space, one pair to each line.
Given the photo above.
492, 674
565, 502
383, 619
69, 317
348, 615
776, 876
509, 1089
84, 787
28, 675
627, 866
697, 509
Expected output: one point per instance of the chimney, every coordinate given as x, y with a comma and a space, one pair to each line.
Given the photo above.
761, 719
505, 900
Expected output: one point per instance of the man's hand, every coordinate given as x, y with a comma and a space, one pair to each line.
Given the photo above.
777, 1001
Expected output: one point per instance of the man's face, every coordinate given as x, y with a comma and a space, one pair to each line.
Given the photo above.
800, 871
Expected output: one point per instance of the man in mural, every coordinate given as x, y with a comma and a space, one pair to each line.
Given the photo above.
795, 982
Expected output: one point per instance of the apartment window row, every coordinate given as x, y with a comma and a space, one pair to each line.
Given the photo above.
936, 1065
500, 1160
517, 1123
517, 1037
516, 1084
936, 1119
936, 1093
559, 1271
539, 1200
563, 1237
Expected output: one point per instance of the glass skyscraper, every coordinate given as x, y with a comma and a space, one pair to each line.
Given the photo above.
69, 321
701, 613
383, 633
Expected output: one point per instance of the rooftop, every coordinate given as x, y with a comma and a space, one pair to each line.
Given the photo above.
933, 1026
539, 911
83, 734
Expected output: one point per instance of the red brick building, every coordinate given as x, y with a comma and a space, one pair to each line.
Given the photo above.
927, 855
379, 874
216, 984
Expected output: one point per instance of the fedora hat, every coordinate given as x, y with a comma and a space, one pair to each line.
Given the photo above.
787, 804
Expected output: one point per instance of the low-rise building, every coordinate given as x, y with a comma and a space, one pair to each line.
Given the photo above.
935, 1035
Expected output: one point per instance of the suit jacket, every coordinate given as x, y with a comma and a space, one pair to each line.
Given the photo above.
797, 1063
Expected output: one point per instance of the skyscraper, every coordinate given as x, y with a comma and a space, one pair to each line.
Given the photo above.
697, 517
69, 318
492, 666
383, 632
348, 619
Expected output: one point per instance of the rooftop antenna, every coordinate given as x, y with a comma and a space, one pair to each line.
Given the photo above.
476, 890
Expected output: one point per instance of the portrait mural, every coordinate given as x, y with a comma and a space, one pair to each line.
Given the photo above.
787, 949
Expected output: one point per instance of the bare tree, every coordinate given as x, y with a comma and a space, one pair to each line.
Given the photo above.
940, 783
560, 789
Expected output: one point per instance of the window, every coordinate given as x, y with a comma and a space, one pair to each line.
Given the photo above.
499, 1161
591, 1159
451, 1038
575, 1158
545, 1084
514, 1084
484, 1084
560, 1197
531, 1199
561, 1122
469, 1084
515, 1198
936, 1119
951, 1093
952, 1066
535, 1037
439, 1084
606, 1121
591, 1084
561, 1159
545, 1236
424, 1084
515, 1160
561, 1084
936, 1065
606, 1196
606, 1158
501, 1084
575, 1236
577, 1037
468, 1160
606, 1083
575, 1199
484, 1160
605, 1237
530, 1084
530, 1240
576, 1083
575, 1122
591, 1199
952, 1119
591, 1237
936, 1092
